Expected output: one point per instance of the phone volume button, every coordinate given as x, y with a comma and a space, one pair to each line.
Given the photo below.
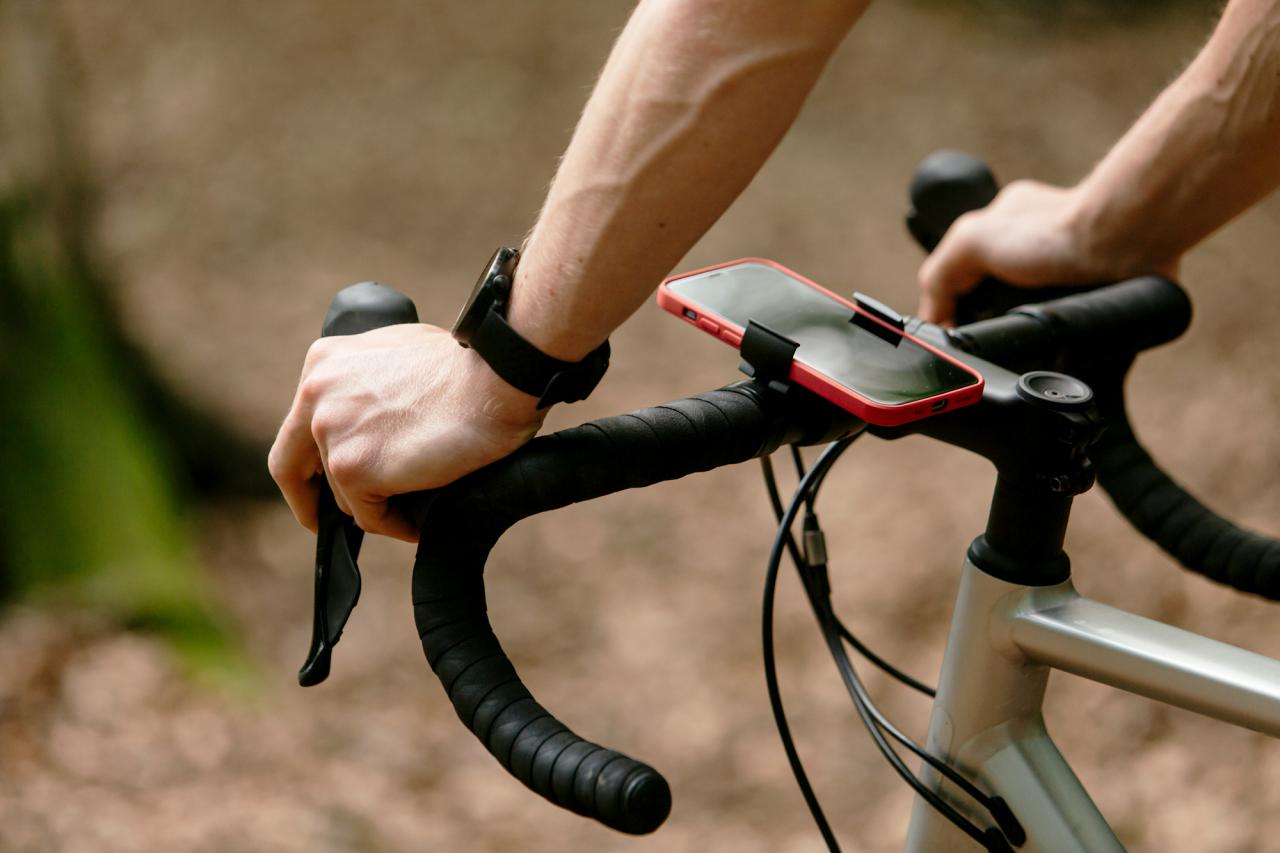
708, 326
730, 337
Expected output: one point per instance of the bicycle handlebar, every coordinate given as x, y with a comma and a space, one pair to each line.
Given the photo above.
1167, 514
1097, 325
1096, 334
461, 523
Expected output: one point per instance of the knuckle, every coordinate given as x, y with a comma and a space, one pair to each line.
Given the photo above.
966, 227
275, 465
309, 392
316, 353
342, 468
1021, 187
329, 423
348, 465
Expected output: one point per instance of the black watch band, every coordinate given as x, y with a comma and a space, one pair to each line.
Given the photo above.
483, 326
531, 370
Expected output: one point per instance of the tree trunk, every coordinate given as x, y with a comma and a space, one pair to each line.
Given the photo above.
89, 495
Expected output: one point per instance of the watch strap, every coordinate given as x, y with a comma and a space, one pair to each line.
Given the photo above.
529, 369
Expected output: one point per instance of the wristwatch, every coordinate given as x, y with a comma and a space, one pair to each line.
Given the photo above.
482, 325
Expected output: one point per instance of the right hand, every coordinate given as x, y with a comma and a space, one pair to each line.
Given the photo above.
1031, 235
394, 410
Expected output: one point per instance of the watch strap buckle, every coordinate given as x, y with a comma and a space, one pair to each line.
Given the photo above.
578, 381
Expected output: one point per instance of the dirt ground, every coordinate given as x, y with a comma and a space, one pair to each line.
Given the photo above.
253, 158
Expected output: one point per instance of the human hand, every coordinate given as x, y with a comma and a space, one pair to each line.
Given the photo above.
1031, 235
393, 410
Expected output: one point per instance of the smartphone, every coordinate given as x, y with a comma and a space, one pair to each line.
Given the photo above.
858, 360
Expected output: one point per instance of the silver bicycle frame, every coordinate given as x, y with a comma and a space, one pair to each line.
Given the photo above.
987, 722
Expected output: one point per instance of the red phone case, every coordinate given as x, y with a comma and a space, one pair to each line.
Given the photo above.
819, 383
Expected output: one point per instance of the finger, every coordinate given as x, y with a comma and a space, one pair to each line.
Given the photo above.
951, 271
354, 476
936, 307
340, 498
380, 516
340, 481
294, 461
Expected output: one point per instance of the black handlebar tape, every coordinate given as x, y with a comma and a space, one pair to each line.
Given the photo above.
1187, 530
1102, 324
1110, 323
1116, 322
1123, 318
461, 523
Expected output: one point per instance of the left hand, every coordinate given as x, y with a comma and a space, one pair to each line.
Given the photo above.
394, 410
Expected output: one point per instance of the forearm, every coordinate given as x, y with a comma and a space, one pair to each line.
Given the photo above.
1203, 152
693, 99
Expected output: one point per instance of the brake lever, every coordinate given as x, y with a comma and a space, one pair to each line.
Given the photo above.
337, 584
358, 308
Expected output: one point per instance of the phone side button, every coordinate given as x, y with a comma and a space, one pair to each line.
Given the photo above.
708, 326
729, 336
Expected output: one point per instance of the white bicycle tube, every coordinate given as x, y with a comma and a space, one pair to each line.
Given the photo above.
987, 719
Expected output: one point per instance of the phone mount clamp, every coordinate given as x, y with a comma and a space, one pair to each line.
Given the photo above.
767, 356
879, 310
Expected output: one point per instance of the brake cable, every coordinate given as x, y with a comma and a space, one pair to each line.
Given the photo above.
770, 665
799, 559
813, 574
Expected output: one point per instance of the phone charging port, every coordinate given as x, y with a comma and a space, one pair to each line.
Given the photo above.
690, 313
939, 406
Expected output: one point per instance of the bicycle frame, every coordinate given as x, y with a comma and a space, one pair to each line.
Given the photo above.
1004, 640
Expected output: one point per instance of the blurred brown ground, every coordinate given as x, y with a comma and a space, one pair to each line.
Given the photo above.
255, 157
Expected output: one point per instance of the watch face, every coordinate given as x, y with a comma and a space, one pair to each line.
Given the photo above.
482, 295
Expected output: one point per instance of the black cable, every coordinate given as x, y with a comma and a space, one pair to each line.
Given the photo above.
817, 588
824, 462
863, 706
881, 662
775, 500
817, 593
798, 459
996, 806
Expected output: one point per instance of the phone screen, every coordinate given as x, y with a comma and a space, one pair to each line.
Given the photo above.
877, 363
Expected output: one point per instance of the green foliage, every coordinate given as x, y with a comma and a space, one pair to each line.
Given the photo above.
88, 504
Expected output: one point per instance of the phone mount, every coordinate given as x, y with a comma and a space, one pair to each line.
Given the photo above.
767, 356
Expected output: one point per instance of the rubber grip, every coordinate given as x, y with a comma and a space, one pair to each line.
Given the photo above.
1194, 535
1107, 324
461, 523
1120, 319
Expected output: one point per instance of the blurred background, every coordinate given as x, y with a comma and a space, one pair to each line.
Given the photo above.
184, 187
